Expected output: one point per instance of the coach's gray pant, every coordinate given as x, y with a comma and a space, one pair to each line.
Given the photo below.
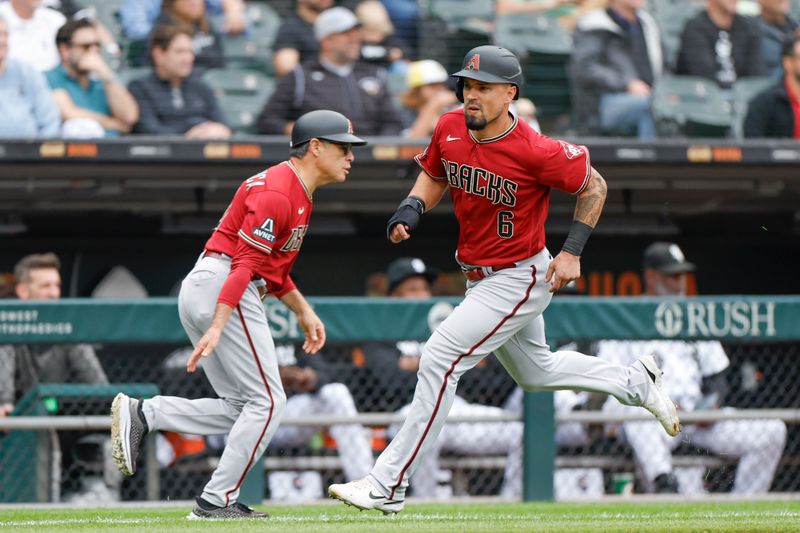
242, 369
502, 314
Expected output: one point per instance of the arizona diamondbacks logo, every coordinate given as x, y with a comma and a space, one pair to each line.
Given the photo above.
571, 150
474, 63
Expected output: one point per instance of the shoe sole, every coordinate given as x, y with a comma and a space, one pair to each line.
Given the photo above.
343, 499
194, 516
673, 424
120, 429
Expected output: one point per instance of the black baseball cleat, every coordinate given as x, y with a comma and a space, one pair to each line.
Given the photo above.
204, 510
665, 484
128, 428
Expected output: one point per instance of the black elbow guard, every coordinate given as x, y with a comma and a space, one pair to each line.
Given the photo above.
407, 213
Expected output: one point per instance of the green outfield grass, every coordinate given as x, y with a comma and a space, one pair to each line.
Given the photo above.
461, 517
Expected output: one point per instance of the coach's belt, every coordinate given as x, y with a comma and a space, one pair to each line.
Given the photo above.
478, 273
215, 255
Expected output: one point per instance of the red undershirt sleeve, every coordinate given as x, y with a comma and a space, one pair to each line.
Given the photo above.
244, 264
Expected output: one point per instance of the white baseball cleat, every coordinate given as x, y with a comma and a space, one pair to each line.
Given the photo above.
128, 428
362, 495
657, 401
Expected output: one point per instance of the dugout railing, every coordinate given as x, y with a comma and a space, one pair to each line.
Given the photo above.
744, 321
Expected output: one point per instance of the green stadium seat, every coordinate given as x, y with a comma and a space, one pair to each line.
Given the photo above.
671, 16
241, 94
264, 22
744, 90
691, 106
241, 111
128, 74
449, 10
524, 33
246, 52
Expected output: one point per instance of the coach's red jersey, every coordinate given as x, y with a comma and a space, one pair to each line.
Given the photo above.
501, 186
263, 228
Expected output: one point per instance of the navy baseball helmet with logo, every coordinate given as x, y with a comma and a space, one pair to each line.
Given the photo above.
325, 125
490, 64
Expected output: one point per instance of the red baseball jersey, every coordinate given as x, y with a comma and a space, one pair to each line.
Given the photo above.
262, 230
501, 186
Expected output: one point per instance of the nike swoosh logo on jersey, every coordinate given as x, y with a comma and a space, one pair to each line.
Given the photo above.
300, 211
449, 138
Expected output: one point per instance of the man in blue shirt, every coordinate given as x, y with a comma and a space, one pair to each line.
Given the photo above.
27, 108
91, 99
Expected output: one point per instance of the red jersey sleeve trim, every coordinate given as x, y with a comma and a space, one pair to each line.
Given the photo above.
588, 172
437, 178
254, 243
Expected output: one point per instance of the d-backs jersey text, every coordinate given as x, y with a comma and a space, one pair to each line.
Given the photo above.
269, 214
501, 186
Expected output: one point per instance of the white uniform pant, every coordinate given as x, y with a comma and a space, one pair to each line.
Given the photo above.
243, 371
757, 443
352, 442
502, 314
477, 438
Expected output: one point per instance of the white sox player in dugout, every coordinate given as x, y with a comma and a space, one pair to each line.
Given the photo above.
258, 236
499, 172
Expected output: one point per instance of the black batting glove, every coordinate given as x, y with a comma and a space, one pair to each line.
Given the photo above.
408, 213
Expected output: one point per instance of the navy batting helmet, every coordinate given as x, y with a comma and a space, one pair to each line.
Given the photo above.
325, 125
490, 64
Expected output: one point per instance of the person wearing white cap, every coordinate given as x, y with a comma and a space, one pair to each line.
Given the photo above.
336, 79
428, 97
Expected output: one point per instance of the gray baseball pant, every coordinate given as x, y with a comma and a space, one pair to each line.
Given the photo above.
502, 314
243, 371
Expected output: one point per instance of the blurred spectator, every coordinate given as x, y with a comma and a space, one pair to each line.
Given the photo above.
777, 28
138, 16
337, 79
617, 58
776, 111
32, 32
27, 108
404, 14
380, 45
428, 97
191, 16
91, 99
309, 390
721, 45
526, 111
173, 100
295, 42
694, 374
394, 366
568, 12
23, 367
72, 9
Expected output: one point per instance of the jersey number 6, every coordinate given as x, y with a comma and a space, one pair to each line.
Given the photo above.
505, 226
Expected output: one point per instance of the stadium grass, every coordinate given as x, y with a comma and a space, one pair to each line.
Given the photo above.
424, 518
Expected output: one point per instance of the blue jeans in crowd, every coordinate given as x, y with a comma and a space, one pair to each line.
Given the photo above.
623, 112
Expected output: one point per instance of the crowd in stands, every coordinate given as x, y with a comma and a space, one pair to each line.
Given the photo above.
149, 67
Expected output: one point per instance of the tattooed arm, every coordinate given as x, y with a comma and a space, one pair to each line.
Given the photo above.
566, 266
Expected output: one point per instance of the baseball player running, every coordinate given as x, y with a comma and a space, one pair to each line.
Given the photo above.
499, 172
258, 238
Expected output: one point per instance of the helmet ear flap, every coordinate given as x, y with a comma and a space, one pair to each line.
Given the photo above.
460, 89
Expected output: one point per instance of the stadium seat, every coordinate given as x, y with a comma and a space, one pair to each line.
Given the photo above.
671, 16
128, 74
246, 52
690, 106
450, 10
744, 90
239, 82
241, 94
264, 22
524, 33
